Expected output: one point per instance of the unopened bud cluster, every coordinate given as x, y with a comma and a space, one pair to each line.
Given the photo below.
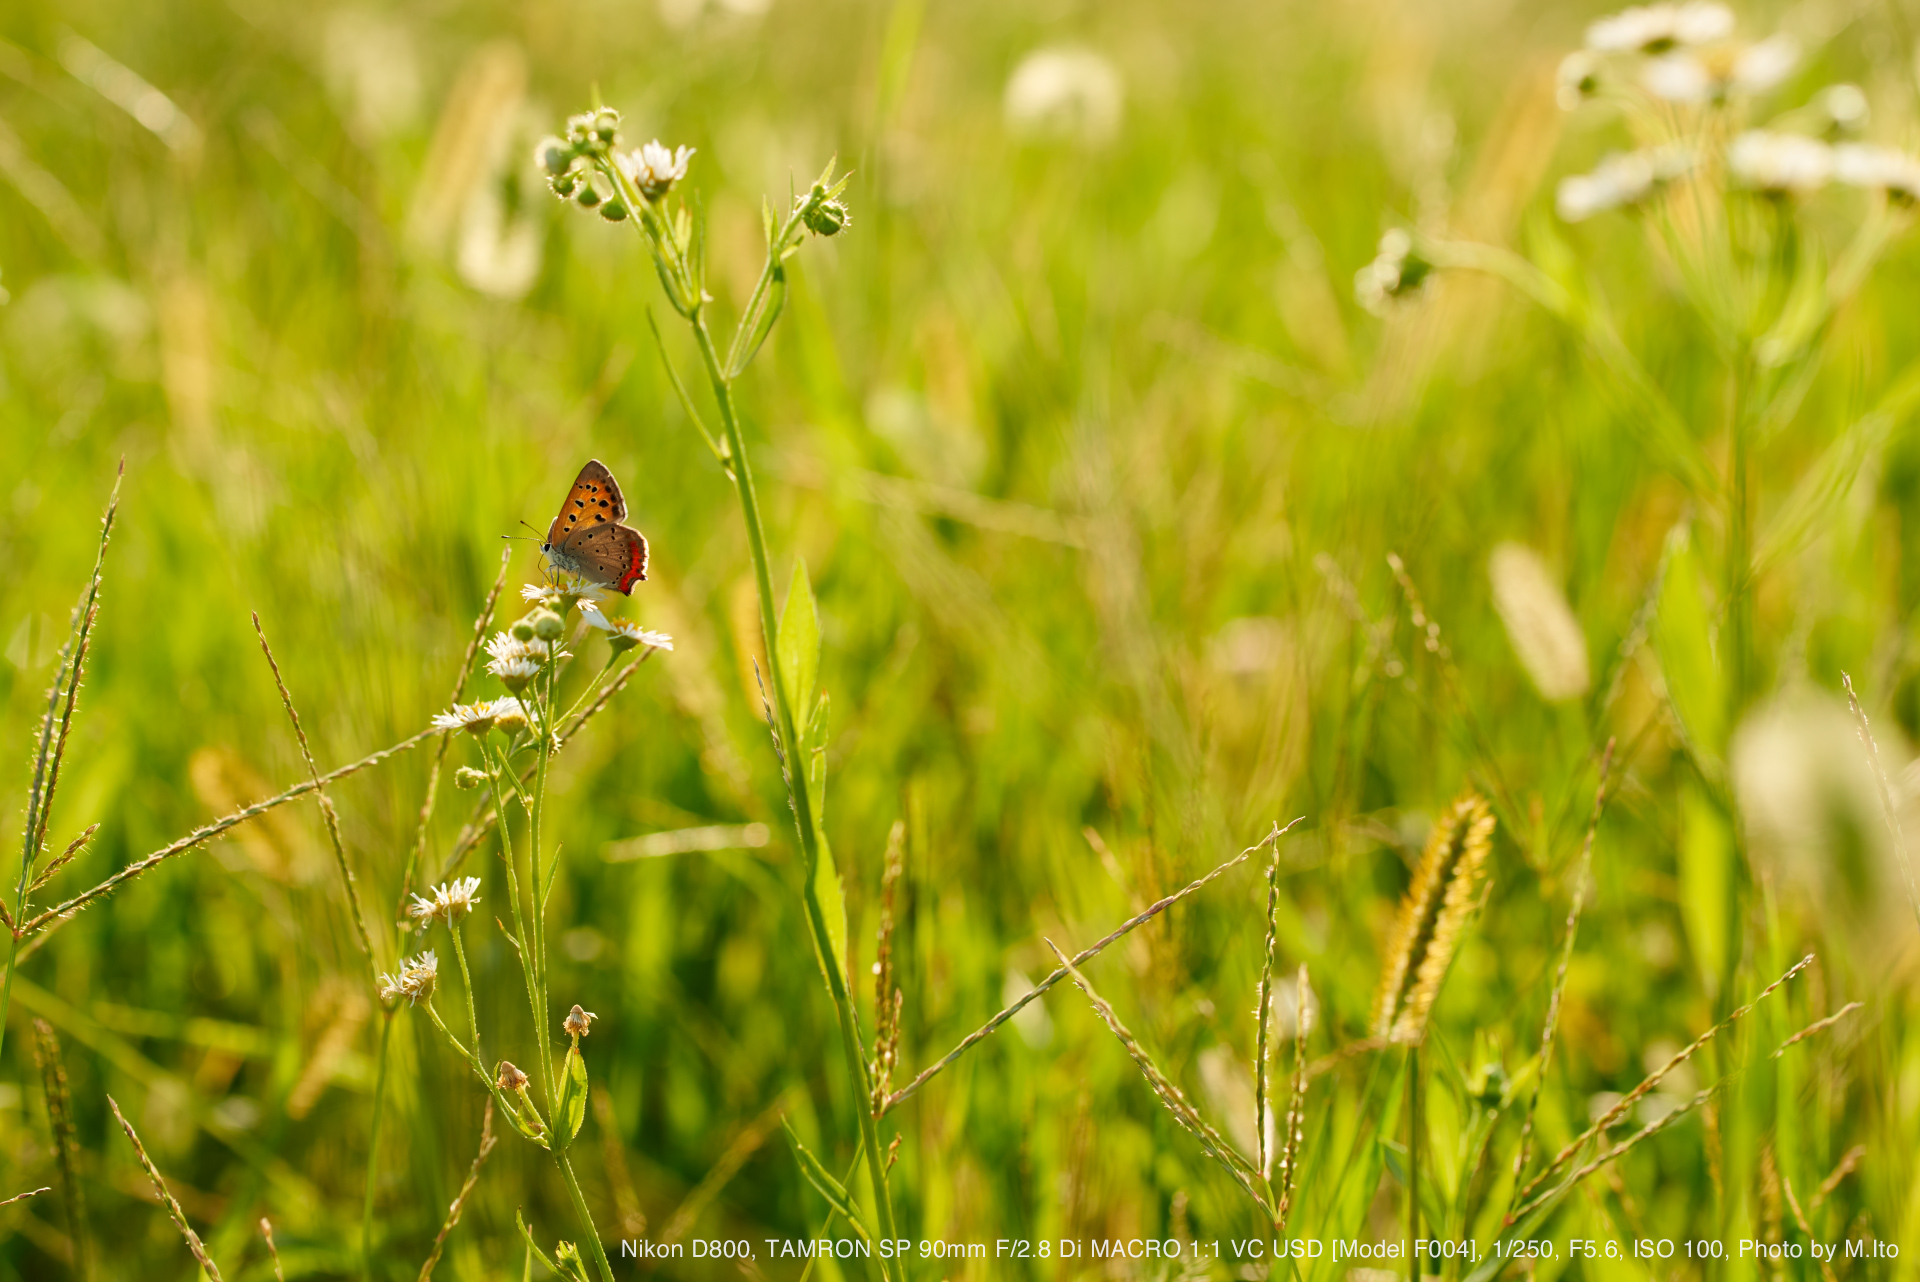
580, 167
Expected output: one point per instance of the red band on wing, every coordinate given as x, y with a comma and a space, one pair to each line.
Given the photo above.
636, 566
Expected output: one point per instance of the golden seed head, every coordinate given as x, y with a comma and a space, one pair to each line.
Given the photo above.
1433, 916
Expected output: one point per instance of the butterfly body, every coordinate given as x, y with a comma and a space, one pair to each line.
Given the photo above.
587, 537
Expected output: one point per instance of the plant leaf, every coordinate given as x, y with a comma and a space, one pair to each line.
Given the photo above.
1683, 637
824, 1182
570, 1111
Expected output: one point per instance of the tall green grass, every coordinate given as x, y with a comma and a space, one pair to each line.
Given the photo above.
1095, 466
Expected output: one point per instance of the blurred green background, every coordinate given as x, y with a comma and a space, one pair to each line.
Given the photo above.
1095, 463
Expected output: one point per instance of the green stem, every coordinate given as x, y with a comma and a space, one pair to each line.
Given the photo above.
1739, 548
495, 768
1413, 1163
537, 900
373, 1145
586, 1218
466, 981
796, 790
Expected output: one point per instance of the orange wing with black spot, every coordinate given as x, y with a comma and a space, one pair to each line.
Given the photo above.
593, 500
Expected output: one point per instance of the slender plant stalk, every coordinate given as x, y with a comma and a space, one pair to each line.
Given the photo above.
487, 1140
586, 1216
53, 1077
1415, 1121
172, 1204
51, 748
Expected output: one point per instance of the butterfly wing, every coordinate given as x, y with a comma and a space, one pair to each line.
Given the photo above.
594, 500
608, 553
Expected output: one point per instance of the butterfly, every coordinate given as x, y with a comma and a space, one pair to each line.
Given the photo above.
587, 538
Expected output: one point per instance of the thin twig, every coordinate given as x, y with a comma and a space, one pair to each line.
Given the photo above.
487, 1141
1560, 978
59, 914
1886, 796
327, 812
160, 1186
1818, 1026
21, 1197
1084, 955
1296, 1106
1841, 1170
419, 850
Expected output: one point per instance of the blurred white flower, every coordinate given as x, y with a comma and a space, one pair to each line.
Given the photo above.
415, 980
1577, 79
1844, 106
1624, 178
499, 249
1396, 270
1657, 27
1545, 634
1064, 93
1869, 165
1767, 161
371, 68
1689, 77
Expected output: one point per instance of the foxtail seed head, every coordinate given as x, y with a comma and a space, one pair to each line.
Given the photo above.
1445, 891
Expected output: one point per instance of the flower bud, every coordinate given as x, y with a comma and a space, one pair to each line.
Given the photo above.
466, 778
553, 155
826, 217
606, 124
589, 194
547, 625
510, 1078
522, 628
564, 185
614, 210
578, 1022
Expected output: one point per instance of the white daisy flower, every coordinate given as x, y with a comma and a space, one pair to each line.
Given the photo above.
1775, 162
1684, 76
515, 674
509, 714
624, 635
504, 647
1655, 28
1888, 169
545, 593
1620, 179
451, 900
475, 718
415, 980
654, 168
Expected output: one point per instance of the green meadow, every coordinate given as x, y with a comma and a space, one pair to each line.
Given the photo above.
1121, 502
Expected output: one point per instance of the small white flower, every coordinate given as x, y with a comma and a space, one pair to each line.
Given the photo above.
1577, 79
504, 647
515, 674
1620, 179
477, 718
1070, 94
1844, 106
451, 900
545, 593
415, 980
509, 714
1657, 27
1759, 67
1766, 161
625, 635
654, 168
1869, 165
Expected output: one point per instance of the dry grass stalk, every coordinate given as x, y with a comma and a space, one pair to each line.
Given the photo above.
1263, 1014
419, 851
1818, 1026
1433, 916
487, 1140
887, 997
64, 858
1887, 807
1800, 1218
43, 926
1170, 1095
1085, 955
21, 1197
1296, 1106
194, 1244
273, 1251
1552, 1021
327, 812
481, 819
1632, 1097
66, 1148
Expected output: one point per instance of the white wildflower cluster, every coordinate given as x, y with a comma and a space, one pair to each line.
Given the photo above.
1688, 54
1396, 270
654, 168
452, 900
506, 714
415, 980
1680, 53
576, 165
1620, 180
